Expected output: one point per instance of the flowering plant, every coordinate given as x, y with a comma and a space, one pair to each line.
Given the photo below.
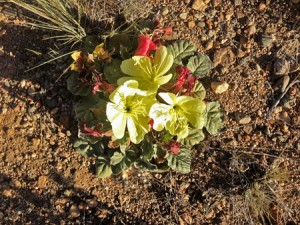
140, 101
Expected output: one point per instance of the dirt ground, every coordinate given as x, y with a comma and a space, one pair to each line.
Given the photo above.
254, 47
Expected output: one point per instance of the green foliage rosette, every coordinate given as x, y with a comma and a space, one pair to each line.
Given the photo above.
140, 102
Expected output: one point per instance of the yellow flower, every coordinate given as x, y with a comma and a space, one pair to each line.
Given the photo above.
81, 61
177, 114
150, 73
129, 107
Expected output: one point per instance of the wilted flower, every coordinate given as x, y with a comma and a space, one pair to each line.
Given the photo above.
101, 53
149, 73
81, 61
129, 107
177, 114
173, 147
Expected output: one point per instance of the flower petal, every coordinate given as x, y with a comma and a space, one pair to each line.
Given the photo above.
163, 61
169, 98
160, 114
137, 128
137, 66
117, 119
164, 79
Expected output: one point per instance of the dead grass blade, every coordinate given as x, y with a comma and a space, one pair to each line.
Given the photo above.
56, 15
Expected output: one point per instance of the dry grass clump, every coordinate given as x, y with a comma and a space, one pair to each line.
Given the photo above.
264, 201
62, 16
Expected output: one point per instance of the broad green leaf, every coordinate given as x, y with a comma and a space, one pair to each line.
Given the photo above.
121, 162
181, 162
195, 137
181, 49
199, 65
214, 118
147, 150
76, 87
112, 71
83, 147
103, 168
90, 42
91, 109
199, 91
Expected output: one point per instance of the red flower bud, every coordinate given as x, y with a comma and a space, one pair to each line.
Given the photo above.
145, 45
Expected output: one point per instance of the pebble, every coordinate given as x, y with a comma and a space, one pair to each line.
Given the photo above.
284, 82
281, 67
224, 56
165, 11
199, 5
219, 87
284, 116
183, 16
191, 24
74, 211
36, 142
22, 83
68, 133
209, 45
262, 6
242, 118
248, 129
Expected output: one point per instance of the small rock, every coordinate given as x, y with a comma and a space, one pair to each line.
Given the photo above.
22, 83
281, 67
74, 211
61, 134
42, 182
242, 118
165, 11
284, 82
284, 116
262, 6
68, 133
36, 142
248, 129
191, 24
209, 45
199, 5
251, 30
238, 2
267, 41
224, 56
183, 16
219, 87
92, 203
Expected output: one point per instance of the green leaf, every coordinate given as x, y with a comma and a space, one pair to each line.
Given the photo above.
181, 49
181, 162
147, 150
121, 162
83, 147
199, 91
103, 168
195, 137
90, 42
112, 71
91, 109
77, 88
214, 118
199, 65
145, 165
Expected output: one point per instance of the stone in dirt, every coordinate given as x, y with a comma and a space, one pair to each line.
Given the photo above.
224, 56
242, 118
219, 87
199, 5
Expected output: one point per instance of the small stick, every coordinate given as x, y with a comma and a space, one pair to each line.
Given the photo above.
280, 97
